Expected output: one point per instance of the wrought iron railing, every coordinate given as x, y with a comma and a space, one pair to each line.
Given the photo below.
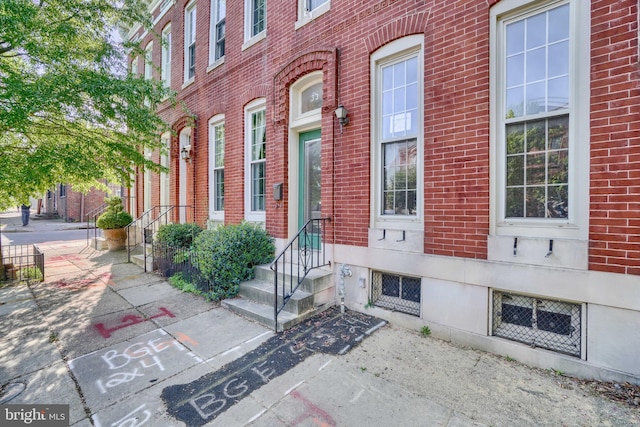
169, 260
21, 263
91, 218
142, 229
305, 252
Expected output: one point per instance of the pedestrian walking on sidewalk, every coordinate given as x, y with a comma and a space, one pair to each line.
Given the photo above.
26, 211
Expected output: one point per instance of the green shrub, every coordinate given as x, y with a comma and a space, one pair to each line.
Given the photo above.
178, 281
178, 235
115, 216
227, 255
30, 274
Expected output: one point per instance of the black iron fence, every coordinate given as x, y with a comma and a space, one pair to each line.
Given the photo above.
21, 263
169, 260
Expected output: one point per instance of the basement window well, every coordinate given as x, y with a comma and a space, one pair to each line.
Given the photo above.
550, 324
395, 292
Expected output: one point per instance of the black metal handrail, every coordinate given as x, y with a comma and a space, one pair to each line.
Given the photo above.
91, 218
308, 251
149, 222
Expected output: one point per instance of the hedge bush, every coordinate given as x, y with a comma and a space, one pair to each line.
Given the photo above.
228, 254
178, 235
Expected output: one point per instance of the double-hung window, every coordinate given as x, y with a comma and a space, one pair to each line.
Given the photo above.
190, 42
134, 67
216, 162
148, 61
255, 117
217, 29
397, 131
165, 70
311, 9
537, 117
255, 23
148, 65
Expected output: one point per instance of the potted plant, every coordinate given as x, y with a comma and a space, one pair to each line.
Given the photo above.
112, 223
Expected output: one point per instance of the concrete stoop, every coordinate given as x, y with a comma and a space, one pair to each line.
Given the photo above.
137, 257
100, 243
256, 297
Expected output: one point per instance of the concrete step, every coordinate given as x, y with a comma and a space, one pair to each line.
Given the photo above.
262, 292
99, 243
138, 259
264, 314
316, 281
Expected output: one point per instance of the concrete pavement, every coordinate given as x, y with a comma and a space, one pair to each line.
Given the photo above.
124, 348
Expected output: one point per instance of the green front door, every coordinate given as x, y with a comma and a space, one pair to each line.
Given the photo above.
309, 185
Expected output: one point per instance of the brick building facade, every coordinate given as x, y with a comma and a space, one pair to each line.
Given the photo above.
488, 180
71, 205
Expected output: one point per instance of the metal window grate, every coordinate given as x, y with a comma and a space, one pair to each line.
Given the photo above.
399, 293
550, 324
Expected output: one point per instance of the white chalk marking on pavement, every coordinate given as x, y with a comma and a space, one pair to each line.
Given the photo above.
293, 388
360, 338
257, 337
357, 396
256, 416
344, 350
231, 350
375, 328
325, 365
130, 414
196, 358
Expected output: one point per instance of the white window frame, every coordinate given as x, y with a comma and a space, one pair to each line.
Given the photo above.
401, 49
297, 118
576, 225
215, 122
134, 66
165, 64
249, 38
148, 61
165, 177
185, 139
253, 107
213, 35
190, 31
146, 183
305, 15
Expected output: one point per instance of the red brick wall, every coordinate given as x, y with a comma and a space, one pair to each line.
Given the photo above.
614, 232
456, 116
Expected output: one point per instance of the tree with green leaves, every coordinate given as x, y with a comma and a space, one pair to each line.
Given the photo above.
70, 112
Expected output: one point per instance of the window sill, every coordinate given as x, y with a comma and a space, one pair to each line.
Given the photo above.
307, 17
215, 64
397, 239
255, 39
188, 83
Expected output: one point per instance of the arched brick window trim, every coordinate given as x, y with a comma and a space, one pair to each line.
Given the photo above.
407, 25
324, 60
178, 125
252, 93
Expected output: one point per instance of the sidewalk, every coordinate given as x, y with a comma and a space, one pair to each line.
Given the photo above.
122, 348
11, 222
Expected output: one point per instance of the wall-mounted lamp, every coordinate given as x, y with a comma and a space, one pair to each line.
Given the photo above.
185, 153
341, 113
